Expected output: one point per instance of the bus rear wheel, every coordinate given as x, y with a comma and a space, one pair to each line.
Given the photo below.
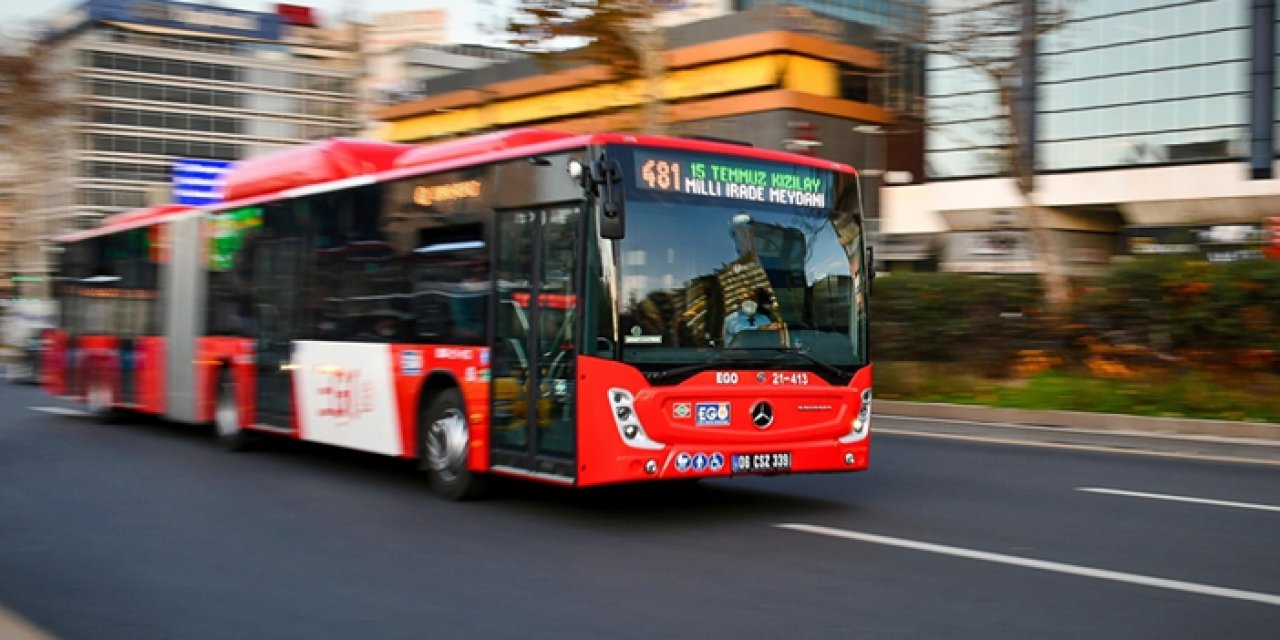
98, 397
445, 441
226, 416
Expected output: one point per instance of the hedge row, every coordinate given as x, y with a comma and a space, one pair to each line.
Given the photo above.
1147, 313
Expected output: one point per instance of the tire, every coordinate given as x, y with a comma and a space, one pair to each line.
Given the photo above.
444, 437
226, 416
98, 397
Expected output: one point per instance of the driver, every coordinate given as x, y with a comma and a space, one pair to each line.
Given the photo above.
749, 317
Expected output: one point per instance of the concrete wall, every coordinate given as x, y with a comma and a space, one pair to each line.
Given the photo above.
1180, 195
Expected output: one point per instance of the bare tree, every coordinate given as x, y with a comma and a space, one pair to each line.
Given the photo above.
29, 109
621, 35
996, 40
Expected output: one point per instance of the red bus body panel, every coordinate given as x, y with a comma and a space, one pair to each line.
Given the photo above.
809, 421
212, 355
55, 374
149, 375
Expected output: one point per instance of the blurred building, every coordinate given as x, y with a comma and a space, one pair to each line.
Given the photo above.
385, 43
396, 29
775, 76
894, 152
407, 72
154, 81
1143, 116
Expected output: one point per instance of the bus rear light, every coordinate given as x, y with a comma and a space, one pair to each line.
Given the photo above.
629, 427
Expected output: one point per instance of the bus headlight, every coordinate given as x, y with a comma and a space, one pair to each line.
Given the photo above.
622, 405
861, 426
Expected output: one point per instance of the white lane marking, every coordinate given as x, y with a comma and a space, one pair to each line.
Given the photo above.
1174, 498
1064, 446
62, 411
1042, 565
1118, 433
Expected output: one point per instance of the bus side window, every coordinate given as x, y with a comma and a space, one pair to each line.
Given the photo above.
451, 284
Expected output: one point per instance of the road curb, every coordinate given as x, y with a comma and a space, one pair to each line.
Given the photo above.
15, 627
1082, 420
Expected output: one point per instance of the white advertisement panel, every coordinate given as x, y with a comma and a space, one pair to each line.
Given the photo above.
346, 395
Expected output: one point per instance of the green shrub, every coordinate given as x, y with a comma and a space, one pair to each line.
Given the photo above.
1161, 312
1160, 336
1177, 306
980, 321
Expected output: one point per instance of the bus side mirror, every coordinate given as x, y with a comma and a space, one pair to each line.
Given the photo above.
606, 182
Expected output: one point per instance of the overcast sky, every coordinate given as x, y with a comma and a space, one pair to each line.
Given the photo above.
466, 17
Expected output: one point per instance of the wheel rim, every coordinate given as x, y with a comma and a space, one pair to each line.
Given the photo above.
447, 443
227, 414
99, 397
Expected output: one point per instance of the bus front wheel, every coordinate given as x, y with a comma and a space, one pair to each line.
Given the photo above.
445, 437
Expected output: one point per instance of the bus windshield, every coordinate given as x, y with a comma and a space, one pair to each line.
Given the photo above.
728, 282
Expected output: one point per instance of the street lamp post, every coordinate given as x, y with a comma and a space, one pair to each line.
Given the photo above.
872, 176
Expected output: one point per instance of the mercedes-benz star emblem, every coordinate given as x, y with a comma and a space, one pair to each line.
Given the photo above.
762, 414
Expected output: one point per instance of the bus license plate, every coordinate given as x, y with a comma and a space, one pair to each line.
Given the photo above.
762, 462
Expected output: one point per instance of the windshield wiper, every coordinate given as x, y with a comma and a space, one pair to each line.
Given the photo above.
710, 362
805, 354
770, 358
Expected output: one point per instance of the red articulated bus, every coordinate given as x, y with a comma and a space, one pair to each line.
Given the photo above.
575, 309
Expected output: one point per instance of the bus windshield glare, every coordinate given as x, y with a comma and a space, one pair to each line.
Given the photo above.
733, 262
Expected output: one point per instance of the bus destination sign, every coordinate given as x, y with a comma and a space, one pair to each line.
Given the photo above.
732, 178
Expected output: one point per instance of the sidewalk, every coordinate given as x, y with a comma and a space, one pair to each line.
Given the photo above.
1082, 420
1181, 437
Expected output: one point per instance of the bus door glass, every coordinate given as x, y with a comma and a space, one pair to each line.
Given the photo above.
276, 283
534, 353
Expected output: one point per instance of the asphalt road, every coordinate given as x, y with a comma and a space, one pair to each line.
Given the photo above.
148, 530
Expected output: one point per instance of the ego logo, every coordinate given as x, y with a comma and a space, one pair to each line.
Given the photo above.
711, 414
345, 396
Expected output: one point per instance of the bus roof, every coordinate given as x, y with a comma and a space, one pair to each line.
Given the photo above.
479, 145
147, 213
346, 159
532, 141
315, 163
126, 220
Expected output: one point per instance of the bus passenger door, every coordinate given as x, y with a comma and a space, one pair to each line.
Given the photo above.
534, 351
276, 287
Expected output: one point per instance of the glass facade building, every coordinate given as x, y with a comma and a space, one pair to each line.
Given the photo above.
149, 83
1122, 83
146, 100
900, 25
155, 82
1154, 132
